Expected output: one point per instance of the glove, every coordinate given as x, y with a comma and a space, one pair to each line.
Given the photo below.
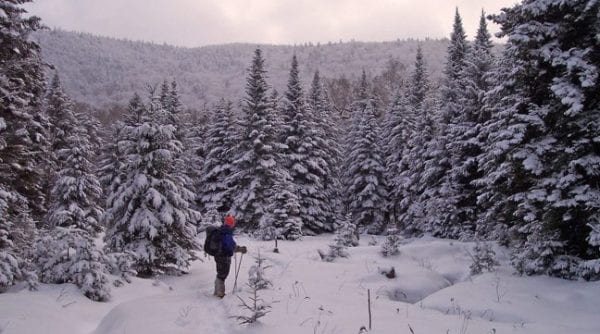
242, 249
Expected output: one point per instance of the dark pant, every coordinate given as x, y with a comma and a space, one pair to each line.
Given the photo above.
223, 264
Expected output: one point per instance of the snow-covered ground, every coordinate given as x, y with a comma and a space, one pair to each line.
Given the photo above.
432, 293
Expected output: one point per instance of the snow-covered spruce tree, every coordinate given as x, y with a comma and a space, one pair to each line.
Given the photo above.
195, 150
113, 160
215, 191
351, 132
357, 108
438, 198
257, 277
76, 190
303, 155
94, 128
62, 120
170, 102
255, 308
346, 235
164, 96
418, 86
366, 187
455, 64
191, 132
283, 220
150, 214
66, 252
404, 174
495, 186
327, 133
10, 270
255, 164
419, 171
391, 245
135, 111
24, 126
464, 141
483, 257
590, 269
16, 232
399, 129
23, 139
545, 160
346, 232
343, 238
69, 255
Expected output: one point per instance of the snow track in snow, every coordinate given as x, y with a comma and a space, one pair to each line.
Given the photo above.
188, 312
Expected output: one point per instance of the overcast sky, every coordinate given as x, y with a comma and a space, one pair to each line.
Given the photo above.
204, 22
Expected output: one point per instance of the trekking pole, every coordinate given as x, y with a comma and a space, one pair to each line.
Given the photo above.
237, 271
234, 270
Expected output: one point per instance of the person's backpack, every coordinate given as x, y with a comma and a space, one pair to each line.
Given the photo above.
213, 245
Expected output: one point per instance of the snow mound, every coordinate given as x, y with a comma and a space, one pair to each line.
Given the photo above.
531, 303
177, 313
446, 257
414, 285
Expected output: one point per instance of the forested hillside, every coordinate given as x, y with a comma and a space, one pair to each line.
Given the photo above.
103, 71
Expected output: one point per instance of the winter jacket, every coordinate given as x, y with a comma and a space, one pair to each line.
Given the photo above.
228, 244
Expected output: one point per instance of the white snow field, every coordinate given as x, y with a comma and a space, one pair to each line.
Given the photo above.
432, 293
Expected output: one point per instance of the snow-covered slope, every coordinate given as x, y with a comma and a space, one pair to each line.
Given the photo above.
432, 293
104, 71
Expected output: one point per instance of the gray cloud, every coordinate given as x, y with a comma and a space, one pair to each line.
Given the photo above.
203, 22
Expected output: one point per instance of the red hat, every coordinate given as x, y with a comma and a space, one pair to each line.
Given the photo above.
230, 221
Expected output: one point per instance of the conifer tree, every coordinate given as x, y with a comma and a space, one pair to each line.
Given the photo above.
113, 161
346, 235
69, 255
62, 119
23, 139
150, 212
346, 232
366, 184
412, 208
357, 109
419, 81
464, 141
455, 63
399, 129
16, 232
303, 156
255, 165
439, 197
164, 97
196, 142
76, 191
408, 184
542, 165
283, 220
135, 111
171, 103
392, 243
327, 135
215, 190
67, 252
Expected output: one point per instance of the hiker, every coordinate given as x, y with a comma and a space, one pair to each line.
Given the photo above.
223, 259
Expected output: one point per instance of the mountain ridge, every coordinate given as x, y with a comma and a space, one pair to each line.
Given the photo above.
104, 71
